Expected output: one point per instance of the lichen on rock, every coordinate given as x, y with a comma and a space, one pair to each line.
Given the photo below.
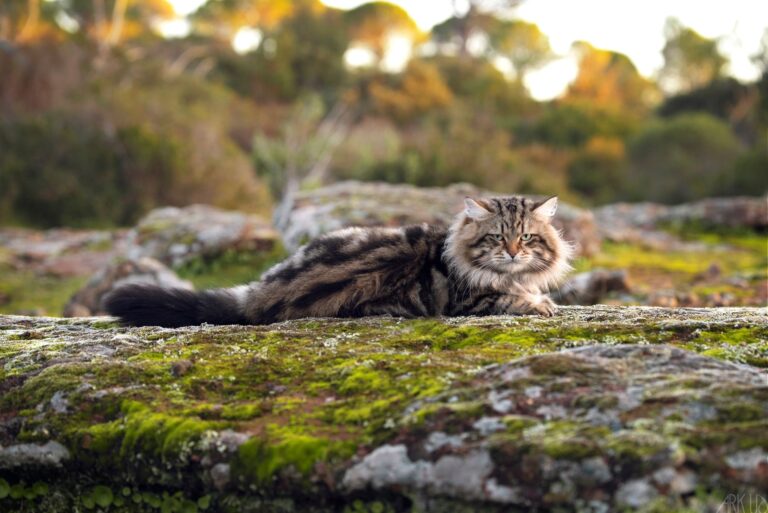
598, 409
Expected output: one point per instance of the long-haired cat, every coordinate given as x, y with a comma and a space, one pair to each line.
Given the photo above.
500, 256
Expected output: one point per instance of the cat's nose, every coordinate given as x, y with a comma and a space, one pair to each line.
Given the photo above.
513, 249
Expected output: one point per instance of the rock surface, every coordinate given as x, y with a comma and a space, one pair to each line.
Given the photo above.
597, 409
319, 211
60, 252
175, 236
88, 300
644, 222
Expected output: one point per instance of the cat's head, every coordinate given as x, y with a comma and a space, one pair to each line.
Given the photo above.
498, 241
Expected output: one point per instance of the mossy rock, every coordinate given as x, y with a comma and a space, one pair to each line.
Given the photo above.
597, 409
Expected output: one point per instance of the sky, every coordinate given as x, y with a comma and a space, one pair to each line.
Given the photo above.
632, 27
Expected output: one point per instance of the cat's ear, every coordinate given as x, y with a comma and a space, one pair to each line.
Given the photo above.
546, 208
476, 209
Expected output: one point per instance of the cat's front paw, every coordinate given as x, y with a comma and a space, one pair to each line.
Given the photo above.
545, 307
538, 304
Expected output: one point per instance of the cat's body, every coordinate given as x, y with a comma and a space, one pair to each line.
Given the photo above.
499, 257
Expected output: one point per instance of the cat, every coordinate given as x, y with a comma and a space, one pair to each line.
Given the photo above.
499, 256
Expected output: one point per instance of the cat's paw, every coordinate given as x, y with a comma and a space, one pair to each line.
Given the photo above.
545, 307
537, 304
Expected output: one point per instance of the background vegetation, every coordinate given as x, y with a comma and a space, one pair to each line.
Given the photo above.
102, 118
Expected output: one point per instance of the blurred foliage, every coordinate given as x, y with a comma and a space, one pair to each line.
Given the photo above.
418, 91
303, 54
690, 59
523, 43
572, 124
372, 24
103, 119
83, 176
610, 80
681, 158
598, 170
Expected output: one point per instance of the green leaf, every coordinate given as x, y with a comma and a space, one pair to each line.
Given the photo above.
103, 496
125, 491
40, 488
204, 502
5, 488
151, 499
88, 502
188, 506
17, 491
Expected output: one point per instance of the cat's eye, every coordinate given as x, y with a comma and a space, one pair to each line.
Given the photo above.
526, 237
496, 236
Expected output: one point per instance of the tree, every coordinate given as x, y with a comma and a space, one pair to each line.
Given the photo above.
304, 53
475, 21
374, 23
523, 43
598, 170
681, 159
223, 18
417, 91
690, 59
25, 20
610, 79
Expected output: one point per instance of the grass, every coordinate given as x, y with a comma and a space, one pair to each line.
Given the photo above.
26, 291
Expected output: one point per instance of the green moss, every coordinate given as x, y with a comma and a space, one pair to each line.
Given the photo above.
155, 437
258, 460
636, 444
230, 268
364, 380
38, 293
567, 440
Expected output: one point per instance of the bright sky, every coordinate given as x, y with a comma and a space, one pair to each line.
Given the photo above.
632, 27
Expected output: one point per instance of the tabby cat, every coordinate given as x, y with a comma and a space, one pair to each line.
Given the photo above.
500, 256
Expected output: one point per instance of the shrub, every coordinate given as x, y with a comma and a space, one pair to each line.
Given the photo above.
60, 171
598, 170
749, 175
681, 159
572, 124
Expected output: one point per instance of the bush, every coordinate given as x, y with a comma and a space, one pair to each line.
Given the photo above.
749, 175
418, 91
684, 158
598, 170
572, 124
200, 119
60, 171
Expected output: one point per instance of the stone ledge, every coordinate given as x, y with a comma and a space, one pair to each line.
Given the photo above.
597, 409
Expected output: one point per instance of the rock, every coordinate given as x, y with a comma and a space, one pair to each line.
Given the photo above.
60, 252
88, 300
737, 212
644, 222
175, 236
591, 287
600, 406
319, 211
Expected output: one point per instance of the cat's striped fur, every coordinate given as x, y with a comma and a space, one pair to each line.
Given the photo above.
500, 256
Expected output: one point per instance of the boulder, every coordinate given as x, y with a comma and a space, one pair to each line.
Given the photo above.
312, 213
596, 409
60, 252
88, 300
175, 236
644, 222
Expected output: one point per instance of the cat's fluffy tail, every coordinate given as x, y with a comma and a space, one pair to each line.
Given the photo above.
150, 305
